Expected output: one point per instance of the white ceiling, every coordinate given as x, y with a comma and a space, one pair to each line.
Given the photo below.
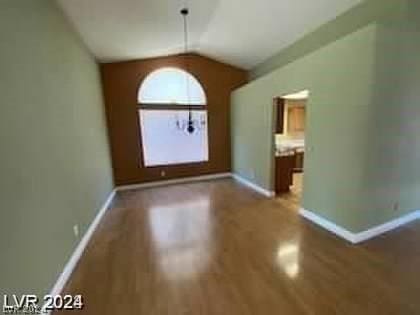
240, 32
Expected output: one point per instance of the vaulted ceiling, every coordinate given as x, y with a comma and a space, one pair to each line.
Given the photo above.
239, 32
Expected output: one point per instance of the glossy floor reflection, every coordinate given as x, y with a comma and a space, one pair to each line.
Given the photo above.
216, 248
182, 238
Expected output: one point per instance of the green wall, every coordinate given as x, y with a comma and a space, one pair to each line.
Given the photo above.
54, 162
392, 173
339, 77
363, 119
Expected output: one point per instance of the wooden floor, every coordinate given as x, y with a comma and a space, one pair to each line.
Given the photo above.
218, 248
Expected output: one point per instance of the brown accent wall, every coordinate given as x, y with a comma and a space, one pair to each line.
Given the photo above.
121, 82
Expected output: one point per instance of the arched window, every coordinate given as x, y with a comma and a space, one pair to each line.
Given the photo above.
171, 86
167, 98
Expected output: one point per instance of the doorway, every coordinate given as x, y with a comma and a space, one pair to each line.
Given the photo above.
289, 144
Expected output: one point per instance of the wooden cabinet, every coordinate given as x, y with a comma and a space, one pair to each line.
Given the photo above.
299, 156
296, 119
284, 173
279, 104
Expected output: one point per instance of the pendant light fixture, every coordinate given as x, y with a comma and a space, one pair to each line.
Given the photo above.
190, 124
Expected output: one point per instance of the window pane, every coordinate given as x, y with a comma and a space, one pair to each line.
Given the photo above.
165, 144
169, 86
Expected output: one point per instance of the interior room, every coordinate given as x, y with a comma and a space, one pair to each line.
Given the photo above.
289, 143
210, 157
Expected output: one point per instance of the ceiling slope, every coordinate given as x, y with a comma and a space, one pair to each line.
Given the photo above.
239, 32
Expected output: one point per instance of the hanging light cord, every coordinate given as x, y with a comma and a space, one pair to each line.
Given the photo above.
184, 13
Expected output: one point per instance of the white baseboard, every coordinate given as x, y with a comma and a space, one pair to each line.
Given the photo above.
328, 225
255, 187
386, 227
356, 238
75, 257
197, 179
174, 181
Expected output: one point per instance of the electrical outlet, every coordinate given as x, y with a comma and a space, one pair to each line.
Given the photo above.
76, 230
162, 173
